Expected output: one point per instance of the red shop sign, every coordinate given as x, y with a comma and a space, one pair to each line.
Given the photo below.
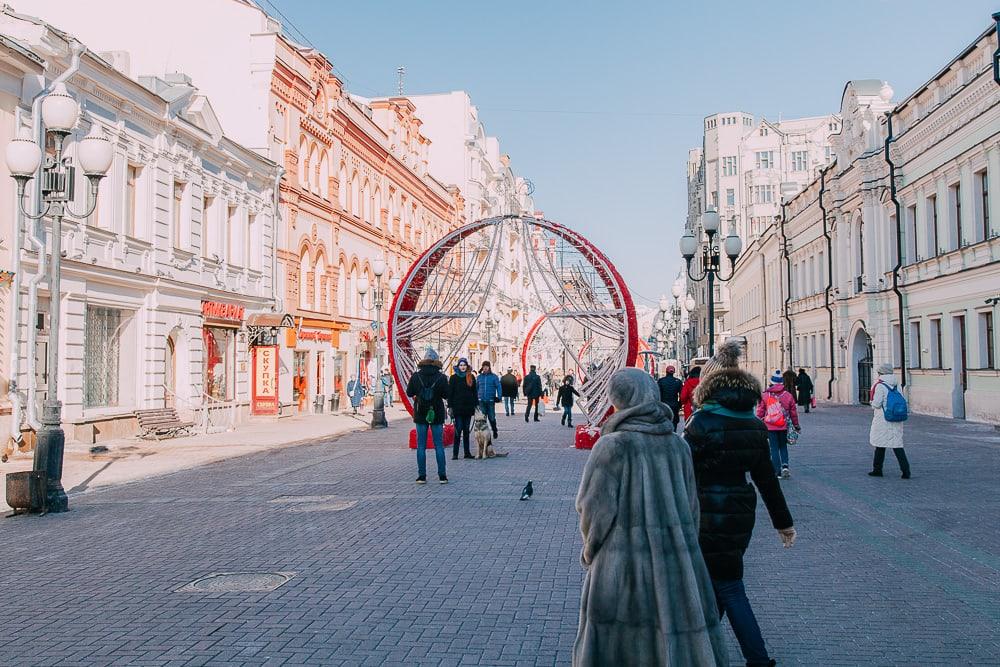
265, 380
222, 311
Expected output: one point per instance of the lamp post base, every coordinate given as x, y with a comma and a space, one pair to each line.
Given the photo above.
49, 457
378, 412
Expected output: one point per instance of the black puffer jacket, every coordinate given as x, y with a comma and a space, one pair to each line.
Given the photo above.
462, 398
727, 442
432, 378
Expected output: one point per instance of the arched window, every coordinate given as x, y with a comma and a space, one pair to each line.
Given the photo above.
303, 164
342, 186
319, 281
355, 194
352, 293
377, 208
304, 300
342, 298
311, 170
324, 175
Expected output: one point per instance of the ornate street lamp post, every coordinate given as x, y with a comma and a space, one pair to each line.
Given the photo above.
57, 175
689, 304
711, 261
377, 301
492, 322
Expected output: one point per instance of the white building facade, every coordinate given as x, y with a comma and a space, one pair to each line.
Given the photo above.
158, 282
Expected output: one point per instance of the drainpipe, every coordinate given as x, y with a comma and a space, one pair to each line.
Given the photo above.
274, 238
36, 240
829, 279
788, 281
12, 333
996, 54
899, 250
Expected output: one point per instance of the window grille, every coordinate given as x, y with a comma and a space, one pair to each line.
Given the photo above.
102, 351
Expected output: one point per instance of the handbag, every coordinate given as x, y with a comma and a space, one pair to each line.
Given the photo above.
812, 402
541, 408
793, 437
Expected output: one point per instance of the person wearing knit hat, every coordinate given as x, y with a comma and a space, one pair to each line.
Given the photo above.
428, 388
727, 442
886, 434
777, 410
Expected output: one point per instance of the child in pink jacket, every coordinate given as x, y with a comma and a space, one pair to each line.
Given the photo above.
777, 410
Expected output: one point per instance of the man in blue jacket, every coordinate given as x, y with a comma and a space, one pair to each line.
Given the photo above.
489, 394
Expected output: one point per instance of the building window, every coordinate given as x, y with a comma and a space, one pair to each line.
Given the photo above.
763, 131
800, 160
207, 209
828, 152
983, 199
763, 194
730, 197
131, 184
102, 355
936, 344
220, 358
232, 235
932, 227
897, 345
178, 215
987, 344
910, 233
955, 204
915, 348
729, 166
764, 159
251, 257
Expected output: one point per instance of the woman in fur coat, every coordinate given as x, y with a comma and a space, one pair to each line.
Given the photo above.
647, 597
727, 442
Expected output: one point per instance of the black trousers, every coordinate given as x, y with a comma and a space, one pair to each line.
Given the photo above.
527, 411
879, 461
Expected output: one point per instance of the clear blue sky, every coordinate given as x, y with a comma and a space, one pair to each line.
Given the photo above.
597, 102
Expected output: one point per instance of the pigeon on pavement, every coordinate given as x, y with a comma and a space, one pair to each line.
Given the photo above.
527, 492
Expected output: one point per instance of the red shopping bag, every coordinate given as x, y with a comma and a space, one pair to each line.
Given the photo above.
586, 436
449, 437
812, 403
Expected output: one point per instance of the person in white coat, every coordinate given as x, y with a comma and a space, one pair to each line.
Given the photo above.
884, 434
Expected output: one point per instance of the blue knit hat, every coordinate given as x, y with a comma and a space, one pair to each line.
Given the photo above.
777, 378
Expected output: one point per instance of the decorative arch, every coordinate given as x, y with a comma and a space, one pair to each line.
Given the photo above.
305, 301
319, 282
313, 169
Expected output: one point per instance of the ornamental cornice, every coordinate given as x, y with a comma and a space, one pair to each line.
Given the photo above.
938, 125
317, 129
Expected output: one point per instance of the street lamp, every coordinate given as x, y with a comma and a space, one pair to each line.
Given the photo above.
491, 323
57, 175
711, 261
377, 301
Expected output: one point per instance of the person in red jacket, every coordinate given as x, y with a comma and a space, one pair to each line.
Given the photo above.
687, 392
777, 410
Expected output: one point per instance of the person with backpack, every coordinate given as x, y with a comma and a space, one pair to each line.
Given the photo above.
804, 387
889, 411
463, 397
777, 410
532, 387
428, 388
670, 392
508, 390
489, 395
727, 444
565, 399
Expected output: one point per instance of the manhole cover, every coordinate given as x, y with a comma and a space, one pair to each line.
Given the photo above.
237, 582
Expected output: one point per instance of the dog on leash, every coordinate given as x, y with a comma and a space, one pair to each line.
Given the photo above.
484, 437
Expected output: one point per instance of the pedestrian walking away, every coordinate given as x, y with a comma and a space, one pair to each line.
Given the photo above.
670, 392
532, 387
565, 399
387, 387
647, 594
886, 434
687, 392
355, 392
428, 388
489, 395
508, 390
777, 410
463, 397
804, 389
788, 378
727, 442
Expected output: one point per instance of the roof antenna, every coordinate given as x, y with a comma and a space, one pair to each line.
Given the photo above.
400, 73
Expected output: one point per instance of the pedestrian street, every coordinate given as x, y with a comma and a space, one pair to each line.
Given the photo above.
385, 572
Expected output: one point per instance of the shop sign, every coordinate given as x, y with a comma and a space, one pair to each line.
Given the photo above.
218, 310
320, 336
265, 380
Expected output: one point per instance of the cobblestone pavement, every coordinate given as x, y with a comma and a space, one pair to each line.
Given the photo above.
886, 571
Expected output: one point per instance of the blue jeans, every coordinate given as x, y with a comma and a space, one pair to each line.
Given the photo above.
462, 425
731, 597
568, 414
437, 434
779, 449
489, 410
508, 405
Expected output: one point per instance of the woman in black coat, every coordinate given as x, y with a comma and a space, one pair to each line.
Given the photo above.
727, 442
804, 389
463, 397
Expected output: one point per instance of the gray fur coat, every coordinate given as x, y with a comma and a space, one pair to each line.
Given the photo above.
647, 597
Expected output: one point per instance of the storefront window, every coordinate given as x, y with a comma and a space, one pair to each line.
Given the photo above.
102, 352
300, 382
220, 354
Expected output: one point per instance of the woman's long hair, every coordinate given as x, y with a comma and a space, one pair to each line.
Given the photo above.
788, 377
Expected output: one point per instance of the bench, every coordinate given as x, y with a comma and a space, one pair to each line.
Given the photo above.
160, 423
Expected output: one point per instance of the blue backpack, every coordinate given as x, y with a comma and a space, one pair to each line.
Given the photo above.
895, 409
